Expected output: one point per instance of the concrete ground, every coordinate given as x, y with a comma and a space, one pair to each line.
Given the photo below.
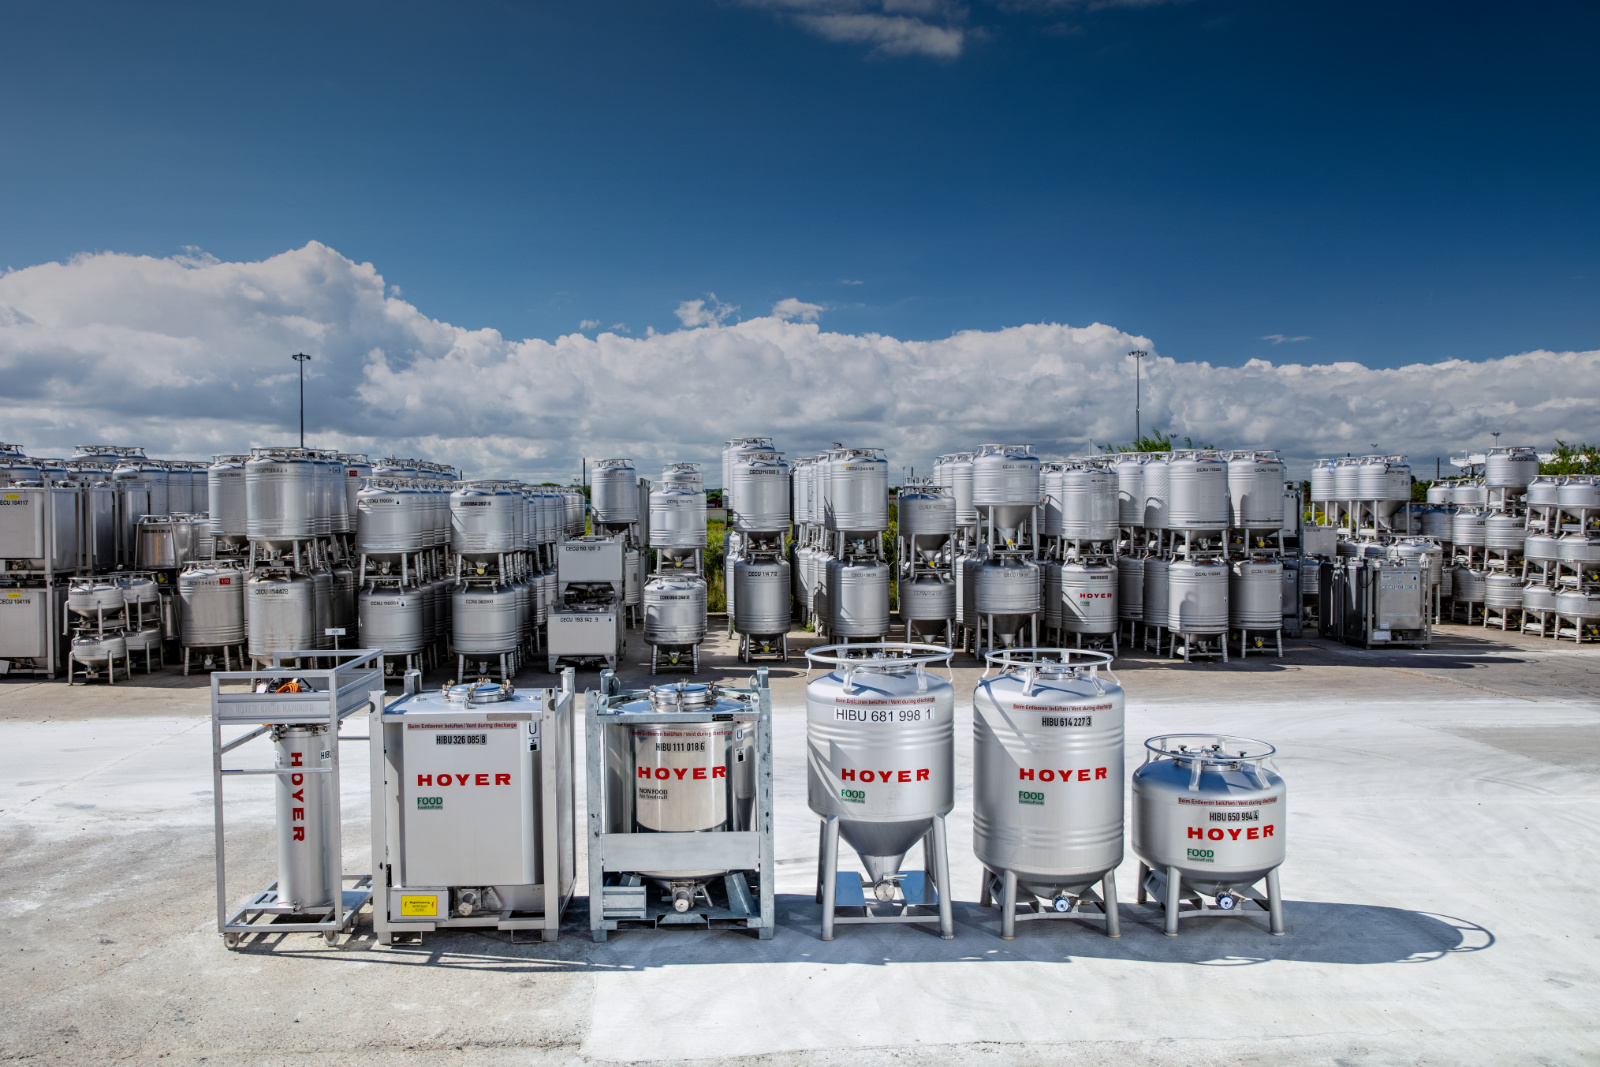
1445, 808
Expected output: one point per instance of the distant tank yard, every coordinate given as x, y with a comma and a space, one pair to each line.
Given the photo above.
1163, 756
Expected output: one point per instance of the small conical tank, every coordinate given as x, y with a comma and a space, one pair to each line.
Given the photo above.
880, 748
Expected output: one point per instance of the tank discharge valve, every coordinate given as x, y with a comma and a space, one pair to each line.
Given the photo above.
1209, 820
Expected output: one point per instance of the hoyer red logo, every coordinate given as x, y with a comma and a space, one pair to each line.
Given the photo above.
1216, 833
847, 774
461, 779
1084, 774
298, 815
665, 773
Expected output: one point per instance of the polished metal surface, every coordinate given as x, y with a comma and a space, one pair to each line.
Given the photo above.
1255, 595
391, 618
213, 605
1089, 598
1197, 597
675, 610
761, 596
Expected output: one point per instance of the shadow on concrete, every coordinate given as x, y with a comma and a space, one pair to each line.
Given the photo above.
1355, 934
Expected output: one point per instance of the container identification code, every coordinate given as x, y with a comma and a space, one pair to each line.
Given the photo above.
1066, 720
461, 739
1251, 815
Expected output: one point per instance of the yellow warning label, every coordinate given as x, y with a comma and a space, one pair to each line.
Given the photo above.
13, 596
426, 907
13, 496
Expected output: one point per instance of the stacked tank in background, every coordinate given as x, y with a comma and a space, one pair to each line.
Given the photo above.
925, 561
1080, 530
1000, 575
675, 595
757, 494
841, 571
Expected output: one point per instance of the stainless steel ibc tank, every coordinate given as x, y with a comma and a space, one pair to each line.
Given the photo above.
677, 521
1006, 587
391, 618
1323, 488
483, 521
1510, 468
1197, 494
213, 605
1583, 606
675, 610
1006, 486
1089, 507
1543, 492
1255, 595
1089, 598
281, 496
614, 492
1578, 493
957, 468
1467, 528
930, 597
1420, 550
484, 620
1155, 591
1197, 597
1130, 588
1504, 531
321, 608
759, 498
857, 597
1130, 489
1049, 592
1209, 817
1441, 493
1347, 479
880, 749
1438, 523
1468, 585
856, 493
1503, 591
1157, 493
927, 521
1538, 598
761, 596
393, 520
1047, 816
226, 500
281, 614
306, 863
1255, 491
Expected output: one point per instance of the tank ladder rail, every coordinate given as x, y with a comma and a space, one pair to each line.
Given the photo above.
330, 696
618, 894
1165, 890
847, 889
1088, 906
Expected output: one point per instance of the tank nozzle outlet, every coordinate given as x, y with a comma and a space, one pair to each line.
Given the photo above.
1226, 901
682, 897
1061, 904
466, 902
884, 891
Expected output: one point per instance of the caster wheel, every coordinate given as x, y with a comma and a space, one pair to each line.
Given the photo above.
330, 937
231, 940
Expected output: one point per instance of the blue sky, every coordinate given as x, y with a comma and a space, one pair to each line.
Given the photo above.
1391, 182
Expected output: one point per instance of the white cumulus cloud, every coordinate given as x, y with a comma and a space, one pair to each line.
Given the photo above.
189, 356
890, 27
795, 308
708, 312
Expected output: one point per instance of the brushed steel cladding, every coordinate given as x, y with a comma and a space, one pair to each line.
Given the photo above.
1130, 490
1089, 598
146, 474
681, 776
1578, 550
881, 756
357, 469
392, 619
1544, 491
856, 496
321, 608
675, 610
966, 574
1347, 479
630, 579
1441, 493
1049, 592
575, 504
1255, 595
1007, 585
180, 490
1469, 585
1130, 588
39, 526
226, 491
927, 521
213, 606
1155, 591
614, 492
1255, 491
1469, 494
1415, 550
930, 597
1468, 528
1537, 597
1050, 505
1047, 760
1510, 468
735, 449
101, 648
280, 614
27, 630
761, 596
1226, 831
1502, 591
760, 493
391, 520
1541, 548
1576, 604
1089, 504
1006, 475
683, 476
678, 519
280, 498
484, 620
1438, 523
96, 596
1157, 493
1578, 493
1504, 531
1197, 597
1197, 488
306, 862
1323, 482
959, 470
858, 597
483, 521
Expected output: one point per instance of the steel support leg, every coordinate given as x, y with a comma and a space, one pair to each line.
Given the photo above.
1274, 904
1174, 900
822, 854
1108, 889
941, 843
830, 872
986, 891
1144, 872
1008, 906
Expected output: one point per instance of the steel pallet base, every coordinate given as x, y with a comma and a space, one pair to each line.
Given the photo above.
748, 651
1167, 890
846, 889
1087, 906
229, 652
678, 659
263, 914
737, 913
1244, 640
1195, 645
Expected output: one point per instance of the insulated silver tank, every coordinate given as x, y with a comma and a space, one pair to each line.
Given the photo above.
1438, 523
1088, 504
484, 619
1130, 489
881, 747
630, 578
213, 605
1006, 484
1130, 588
1157, 492
392, 520
146, 473
732, 451
1255, 595
1467, 528
226, 492
1347, 479
1050, 504
1211, 808
1255, 491
1537, 597
614, 492
1577, 551
95, 597
959, 470
180, 489
1502, 591
1541, 548
1417, 550
1544, 491
1006, 591
281, 614
1504, 531
1047, 758
1468, 585
1441, 493
931, 597
677, 521
1323, 483
1197, 597
483, 521
927, 520
1510, 468
99, 648
1578, 492
391, 619
307, 867
1049, 591
1156, 591
858, 597
675, 610
1197, 487
1468, 494
761, 596
1089, 598
856, 494
1578, 604
357, 468
760, 494
281, 495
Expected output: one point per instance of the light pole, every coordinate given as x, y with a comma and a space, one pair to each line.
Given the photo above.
300, 358
1138, 355
1496, 437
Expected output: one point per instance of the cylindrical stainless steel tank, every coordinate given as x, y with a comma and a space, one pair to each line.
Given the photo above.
281, 614
1583, 605
483, 521
1415, 550
614, 492
180, 489
1255, 491
1197, 597
1255, 594
856, 493
213, 605
1468, 585
1006, 591
1050, 504
1441, 493
392, 520
930, 597
344, 600
1541, 548
1089, 598
1502, 591
1537, 597
150, 474
357, 469
1088, 504
1197, 488
677, 521
959, 471
1129, 469
1157, 493
281, 496
95, 648
1006, 484
1347, 479
1578, 551
880, 735
1467, 528
761, 596
675, 610
760, 493
1156, 591
1049, 591
1211, 809
1468, 494
857, 597
321, 608
1438, 523
1130, 588
1510, 468
391, 618
1578, 492
1504, 531
484, 619
732, 451
1543, 492
927, 521
1047, 758
1323, 483
307, 867
630, 578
